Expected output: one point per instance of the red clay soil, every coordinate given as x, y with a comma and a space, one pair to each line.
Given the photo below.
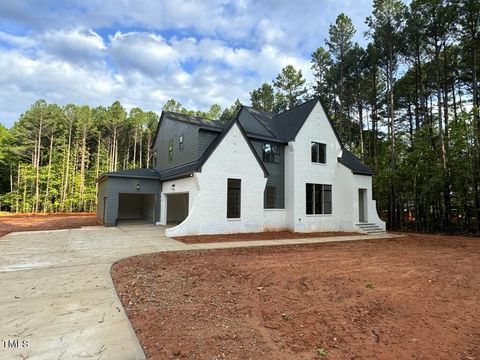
28, 222
414, 297
266, 235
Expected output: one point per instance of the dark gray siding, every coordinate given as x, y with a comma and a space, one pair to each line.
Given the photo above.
251, 125
108, 191
205, 138
276, 173
172, 130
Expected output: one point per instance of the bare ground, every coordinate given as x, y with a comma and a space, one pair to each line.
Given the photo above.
414, 297
266, 235
30, 222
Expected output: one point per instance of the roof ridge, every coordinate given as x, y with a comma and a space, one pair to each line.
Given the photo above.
275, 135
191, 116
297, 106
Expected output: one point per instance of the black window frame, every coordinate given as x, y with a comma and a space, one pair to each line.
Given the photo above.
271, 199
155, 156
318, 199
234, 198
273, 156
170, 150
316, 151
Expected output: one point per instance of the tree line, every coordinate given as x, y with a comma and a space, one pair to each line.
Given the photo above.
407, 104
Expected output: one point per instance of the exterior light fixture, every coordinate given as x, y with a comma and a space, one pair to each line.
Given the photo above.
173, 187
138, 187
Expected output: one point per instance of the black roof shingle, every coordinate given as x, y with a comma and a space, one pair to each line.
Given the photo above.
354, 163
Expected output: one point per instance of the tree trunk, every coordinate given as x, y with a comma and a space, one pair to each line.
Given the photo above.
67, 167
47, 190
37, 166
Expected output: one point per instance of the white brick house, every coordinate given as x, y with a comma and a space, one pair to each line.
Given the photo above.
260, 172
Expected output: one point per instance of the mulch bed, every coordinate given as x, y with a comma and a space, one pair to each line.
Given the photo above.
266, 235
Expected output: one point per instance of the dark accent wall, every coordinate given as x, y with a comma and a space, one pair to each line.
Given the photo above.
172, 130
110, 188
205, 138
276, 173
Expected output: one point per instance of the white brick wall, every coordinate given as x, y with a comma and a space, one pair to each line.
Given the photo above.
300, 170
233, 158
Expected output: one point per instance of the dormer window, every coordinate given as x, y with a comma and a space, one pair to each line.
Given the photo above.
180, 142
271, 153
319, 153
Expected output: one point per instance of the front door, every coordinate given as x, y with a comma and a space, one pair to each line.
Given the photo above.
362, 214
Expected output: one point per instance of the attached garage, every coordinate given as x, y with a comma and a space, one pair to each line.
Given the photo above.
129, 195
136, 207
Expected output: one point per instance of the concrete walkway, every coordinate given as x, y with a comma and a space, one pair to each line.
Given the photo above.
57, 299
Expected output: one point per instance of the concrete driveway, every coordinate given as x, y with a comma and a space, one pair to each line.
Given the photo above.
57, 297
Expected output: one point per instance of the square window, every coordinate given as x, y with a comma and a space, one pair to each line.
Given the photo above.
271, 153
318, 199
319, 153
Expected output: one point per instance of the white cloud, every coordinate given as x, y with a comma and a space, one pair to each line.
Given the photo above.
143, 53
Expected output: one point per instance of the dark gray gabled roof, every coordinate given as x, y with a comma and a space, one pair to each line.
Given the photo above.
132, 173
354, 163
289, 122
265, 119
179, 171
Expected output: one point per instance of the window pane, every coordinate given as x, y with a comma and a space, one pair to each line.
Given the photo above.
327, 191
233, 198
271, 193
314, 152
318, 199
309, 198
322, 155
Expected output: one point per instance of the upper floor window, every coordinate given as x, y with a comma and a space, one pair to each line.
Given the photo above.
155, 158
170, 150
319, 153
271, 153
180, 142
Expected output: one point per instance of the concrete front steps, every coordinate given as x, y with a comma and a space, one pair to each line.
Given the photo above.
370, 228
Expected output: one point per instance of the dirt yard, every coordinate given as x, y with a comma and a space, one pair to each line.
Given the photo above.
28, 222
266, 235
414, 297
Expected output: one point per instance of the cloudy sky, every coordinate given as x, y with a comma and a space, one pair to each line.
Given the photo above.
146, 52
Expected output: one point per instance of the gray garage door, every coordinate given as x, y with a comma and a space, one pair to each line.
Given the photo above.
177, 208
136, 207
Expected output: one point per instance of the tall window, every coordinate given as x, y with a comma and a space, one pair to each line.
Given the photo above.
271, 193
233, 198
155, 158
319, 153
271, 153
170, 150
318, 199
180, 142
